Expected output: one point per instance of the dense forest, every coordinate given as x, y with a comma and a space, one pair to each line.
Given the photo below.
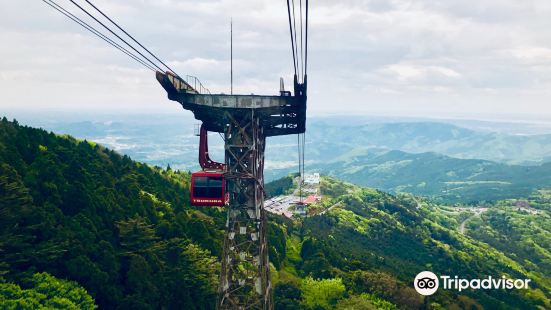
84, 227
397, 236
120, 229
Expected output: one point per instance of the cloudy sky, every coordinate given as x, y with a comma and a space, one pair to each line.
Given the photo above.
468, 58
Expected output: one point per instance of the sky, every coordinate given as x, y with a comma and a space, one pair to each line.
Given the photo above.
471, 58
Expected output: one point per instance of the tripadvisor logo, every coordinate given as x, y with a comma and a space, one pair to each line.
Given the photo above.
427, 283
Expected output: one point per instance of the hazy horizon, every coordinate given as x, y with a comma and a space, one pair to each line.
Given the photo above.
88, 114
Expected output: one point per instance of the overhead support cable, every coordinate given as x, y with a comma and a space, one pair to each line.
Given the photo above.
295, 36
102, 36
303, 152
299, 37
301, 45
131, 37
115, 34
306, 43
302, 63
291, 32
299, 170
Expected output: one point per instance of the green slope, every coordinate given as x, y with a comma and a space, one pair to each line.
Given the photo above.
437, 176
119, 228
373, 235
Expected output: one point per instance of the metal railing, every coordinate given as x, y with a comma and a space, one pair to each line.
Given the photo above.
196, 84
189, 84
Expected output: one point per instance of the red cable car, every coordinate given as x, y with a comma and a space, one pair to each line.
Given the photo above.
208, 187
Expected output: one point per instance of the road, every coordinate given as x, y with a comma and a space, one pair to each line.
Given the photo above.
329, 209
477, 212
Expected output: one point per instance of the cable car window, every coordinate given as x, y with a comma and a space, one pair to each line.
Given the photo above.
215, 187
200, 186
207, 187
200, 181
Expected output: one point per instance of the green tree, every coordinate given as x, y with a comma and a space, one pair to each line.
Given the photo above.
287, 296
364, 302
46, 292
122, 229
322, 294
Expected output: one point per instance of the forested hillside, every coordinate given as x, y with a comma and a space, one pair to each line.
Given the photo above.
121, 229
83, 226
396, 237
438, 176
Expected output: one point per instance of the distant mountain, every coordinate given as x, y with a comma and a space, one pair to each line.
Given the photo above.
169, 139
420, 137
437, 176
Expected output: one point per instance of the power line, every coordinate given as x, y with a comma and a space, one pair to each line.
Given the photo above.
86, 26
119, 37
131, 37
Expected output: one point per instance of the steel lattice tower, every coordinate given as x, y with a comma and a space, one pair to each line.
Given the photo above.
245, 267
245, 121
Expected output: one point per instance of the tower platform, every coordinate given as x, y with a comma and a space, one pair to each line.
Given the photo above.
279, 115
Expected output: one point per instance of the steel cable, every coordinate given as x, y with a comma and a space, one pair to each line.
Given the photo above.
90, 28
115, 34
291, 32
131, 37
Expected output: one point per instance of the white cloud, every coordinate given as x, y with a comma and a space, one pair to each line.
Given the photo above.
373, 56
405, 72
531, 53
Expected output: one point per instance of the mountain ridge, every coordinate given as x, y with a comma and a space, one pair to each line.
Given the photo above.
438, 176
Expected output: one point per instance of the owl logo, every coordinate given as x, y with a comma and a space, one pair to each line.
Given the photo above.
426, 283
